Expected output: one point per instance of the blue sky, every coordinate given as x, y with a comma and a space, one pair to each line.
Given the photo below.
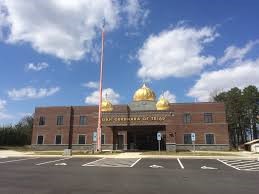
187, 50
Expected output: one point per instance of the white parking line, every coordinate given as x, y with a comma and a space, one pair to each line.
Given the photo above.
249, 165
179, 161
237, 163
113, 162
229, 161
135, 162
228, 164
17, 160
90, 163
253, 169
52, 161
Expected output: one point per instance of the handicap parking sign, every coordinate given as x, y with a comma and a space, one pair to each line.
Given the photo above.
158, 136
193, 136
94, 136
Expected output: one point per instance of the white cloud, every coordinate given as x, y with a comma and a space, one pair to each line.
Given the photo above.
2, 104
169, 96
135, 13
91, 84
25, 114
112, 96
65, 29
3, 20
3, 115
244, 73
31, 93
36, 67
176, 52
235, 53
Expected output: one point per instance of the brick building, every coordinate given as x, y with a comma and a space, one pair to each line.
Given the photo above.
133, 126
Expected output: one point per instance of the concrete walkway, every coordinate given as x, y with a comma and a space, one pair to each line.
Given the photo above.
233, 155
11, 153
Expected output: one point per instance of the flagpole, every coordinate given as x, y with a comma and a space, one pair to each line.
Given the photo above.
99, 128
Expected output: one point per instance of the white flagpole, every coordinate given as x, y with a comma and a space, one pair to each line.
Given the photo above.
99, 128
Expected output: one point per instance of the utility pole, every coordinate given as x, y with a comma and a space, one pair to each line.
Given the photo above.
99, 128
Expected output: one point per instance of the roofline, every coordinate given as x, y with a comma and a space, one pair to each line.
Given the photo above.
177, 103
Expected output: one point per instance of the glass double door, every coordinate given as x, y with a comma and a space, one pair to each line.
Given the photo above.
120, 142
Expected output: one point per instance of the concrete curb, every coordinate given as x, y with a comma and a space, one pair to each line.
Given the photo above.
144, 156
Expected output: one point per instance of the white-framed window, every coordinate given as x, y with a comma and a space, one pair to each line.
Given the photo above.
42, 120
103, 138
40, 139
209, 138
60, 120
208, 118
82, 120
58, 139
187, 139
187, 118
81, 139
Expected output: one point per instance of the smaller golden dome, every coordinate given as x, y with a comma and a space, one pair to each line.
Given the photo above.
144, 93
106, 106
162, 104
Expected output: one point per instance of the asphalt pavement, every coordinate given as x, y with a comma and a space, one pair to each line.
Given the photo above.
20, 175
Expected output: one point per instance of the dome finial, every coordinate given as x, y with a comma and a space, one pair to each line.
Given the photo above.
162, 103
163, 94
106, 104
144, 94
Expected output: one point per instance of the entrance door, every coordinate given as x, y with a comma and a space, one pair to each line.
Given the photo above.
145, 137
120, 142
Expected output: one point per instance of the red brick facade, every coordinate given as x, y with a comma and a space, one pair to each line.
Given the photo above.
132, 124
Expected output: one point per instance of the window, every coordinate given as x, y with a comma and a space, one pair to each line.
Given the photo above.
103, 139
187, 118
187, 138
40, 139
81, 139
82, 120
60, 120
208, 118
209, 138
42, 121
58, 139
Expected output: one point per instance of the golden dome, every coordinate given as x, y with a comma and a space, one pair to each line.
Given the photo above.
106, 106
162, 104
144, 93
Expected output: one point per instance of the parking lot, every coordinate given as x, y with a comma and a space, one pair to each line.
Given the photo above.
128, 175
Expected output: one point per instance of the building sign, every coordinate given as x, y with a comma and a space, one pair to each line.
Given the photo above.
133, 119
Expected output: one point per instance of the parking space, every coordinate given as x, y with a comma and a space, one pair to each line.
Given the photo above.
204, 164
158, 163
158, 175
247, 165
5, 158
113, 162
15, 160
171, 164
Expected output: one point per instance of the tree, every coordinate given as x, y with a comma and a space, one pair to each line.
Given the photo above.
250, 97
17, 135
241, 112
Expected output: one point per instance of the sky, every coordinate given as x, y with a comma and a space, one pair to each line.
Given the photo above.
185, 51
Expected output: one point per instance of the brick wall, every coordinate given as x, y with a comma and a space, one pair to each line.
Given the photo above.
175, 127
